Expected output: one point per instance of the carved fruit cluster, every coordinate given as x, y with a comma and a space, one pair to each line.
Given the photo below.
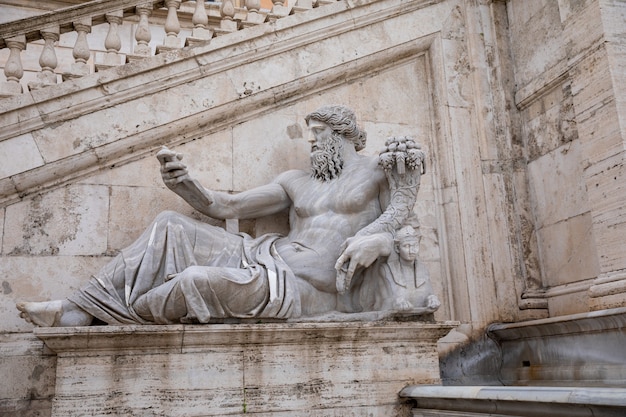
401, 151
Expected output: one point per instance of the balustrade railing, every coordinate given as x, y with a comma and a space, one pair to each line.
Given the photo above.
195, 21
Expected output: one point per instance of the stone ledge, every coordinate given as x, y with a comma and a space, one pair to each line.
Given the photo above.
97, 339
517, 401
564, 351
290, 369
562, 325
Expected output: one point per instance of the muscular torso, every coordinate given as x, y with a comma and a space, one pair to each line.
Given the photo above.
324, 214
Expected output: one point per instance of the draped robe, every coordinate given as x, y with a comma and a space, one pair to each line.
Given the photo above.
234, 275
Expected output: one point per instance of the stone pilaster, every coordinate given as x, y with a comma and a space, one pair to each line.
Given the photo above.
598, 79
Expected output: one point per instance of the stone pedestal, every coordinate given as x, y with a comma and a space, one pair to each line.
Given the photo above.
268, 369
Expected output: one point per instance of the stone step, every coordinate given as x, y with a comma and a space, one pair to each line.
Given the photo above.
474, 401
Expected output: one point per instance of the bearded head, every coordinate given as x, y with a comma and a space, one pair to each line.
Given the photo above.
327, 161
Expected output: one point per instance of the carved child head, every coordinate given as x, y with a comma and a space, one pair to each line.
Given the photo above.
407, 242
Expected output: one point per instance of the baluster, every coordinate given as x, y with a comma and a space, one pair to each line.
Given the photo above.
81, 50
112, 42
278, 10
48, 59
254, 17
228, 23
200, 32
253, 6
172, 27
13, 69
302, 6
142, 33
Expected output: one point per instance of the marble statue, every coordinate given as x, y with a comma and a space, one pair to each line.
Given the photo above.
402, 282
343, 215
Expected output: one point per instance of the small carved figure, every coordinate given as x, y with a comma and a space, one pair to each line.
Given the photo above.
405, 281
342, 217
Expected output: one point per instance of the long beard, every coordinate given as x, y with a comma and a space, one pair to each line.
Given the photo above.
327, 163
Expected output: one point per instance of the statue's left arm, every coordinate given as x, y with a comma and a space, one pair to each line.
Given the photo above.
403, 163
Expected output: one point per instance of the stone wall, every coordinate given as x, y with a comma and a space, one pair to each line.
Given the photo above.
560, 204
519, 106
568, 63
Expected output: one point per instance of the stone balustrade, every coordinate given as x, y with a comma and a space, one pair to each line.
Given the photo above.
183, 23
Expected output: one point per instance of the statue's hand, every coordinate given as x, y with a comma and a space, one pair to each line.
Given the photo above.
359, 251
173, 171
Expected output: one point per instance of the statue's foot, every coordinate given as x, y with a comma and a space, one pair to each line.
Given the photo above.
44, 314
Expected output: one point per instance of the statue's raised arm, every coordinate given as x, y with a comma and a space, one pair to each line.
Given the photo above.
250, 204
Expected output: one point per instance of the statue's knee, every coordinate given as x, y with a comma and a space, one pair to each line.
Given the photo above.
193, 272
168, 217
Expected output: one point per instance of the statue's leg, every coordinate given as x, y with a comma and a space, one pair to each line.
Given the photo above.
169, 245
172, 243
200, 293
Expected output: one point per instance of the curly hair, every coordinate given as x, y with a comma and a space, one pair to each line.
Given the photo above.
342, 120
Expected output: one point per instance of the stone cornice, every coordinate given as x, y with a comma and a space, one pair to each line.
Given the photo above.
178, 338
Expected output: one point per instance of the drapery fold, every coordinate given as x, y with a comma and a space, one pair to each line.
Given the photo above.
229, 275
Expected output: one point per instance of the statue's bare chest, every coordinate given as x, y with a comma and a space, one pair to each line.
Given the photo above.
313, 197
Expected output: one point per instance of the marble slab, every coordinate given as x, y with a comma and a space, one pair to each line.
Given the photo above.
474, 401
585, 349
264, 369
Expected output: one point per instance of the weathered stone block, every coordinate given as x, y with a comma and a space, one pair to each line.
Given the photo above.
556, 183
68, 221
605, 187
540, 48
297, 369
28, 376
21, 154
571, 246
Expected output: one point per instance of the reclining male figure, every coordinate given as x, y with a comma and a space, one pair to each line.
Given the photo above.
183, 270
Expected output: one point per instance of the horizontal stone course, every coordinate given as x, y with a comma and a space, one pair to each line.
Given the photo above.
231, 369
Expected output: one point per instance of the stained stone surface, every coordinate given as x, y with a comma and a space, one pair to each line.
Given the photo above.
585, 349
278, 369
475, 401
